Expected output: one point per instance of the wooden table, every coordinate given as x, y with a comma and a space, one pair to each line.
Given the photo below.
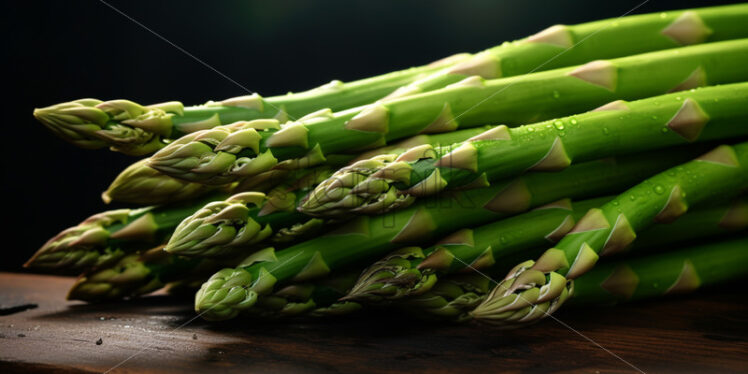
701, 333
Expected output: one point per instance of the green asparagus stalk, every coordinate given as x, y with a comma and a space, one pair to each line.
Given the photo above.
135, 129
560, 45
626, 280
681, 271
318, 298
222, 228
227, 153
143, 185
534, 289
703, 114
231, 291
228, 227
412, 270
106, 237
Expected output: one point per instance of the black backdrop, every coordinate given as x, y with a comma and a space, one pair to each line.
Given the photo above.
57, 51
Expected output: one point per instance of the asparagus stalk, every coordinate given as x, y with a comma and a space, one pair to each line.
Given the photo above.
560, 45
106, 237
318, 298
412, 270
702, 114
135, 129
228, 227
143, 185
534, 289
138, 274
221, 227
231, 291
224, 154
626, 280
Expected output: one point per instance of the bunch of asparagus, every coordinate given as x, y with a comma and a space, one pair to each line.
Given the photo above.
483, 186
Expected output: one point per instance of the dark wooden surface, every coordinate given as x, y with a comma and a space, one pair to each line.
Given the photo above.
707, 332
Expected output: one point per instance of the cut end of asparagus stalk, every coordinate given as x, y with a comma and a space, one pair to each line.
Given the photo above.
143, 185
353, 190
225, 295
391, 278
80, 246
221, 228
219, 155
122, 125
525, 296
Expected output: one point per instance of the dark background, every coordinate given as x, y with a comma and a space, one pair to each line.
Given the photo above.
60, 51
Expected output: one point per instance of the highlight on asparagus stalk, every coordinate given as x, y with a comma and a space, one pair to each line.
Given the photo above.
136, 129
227, 153
622, 280
412, 270
534, 289
702, 114
231, 291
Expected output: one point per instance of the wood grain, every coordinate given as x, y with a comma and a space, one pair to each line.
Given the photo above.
702, 333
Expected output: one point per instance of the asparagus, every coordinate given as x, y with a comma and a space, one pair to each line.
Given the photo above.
679, 118
226, 153
560, 45
220, 228
231, 291
626, 280
317, 299
135, 129
106, 237
132, 128
228, 227
140, 184
534, 289
412, 270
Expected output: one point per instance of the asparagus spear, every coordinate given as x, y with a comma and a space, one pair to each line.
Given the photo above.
106, 237
220, 228
231, 291
227, 227
224, 154
534, 289
138, 274
318, 298
626, 280
703, 114
560, 45
136, 129
143, 185
412, 270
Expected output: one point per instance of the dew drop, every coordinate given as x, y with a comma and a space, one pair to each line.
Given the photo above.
663, 15
573, 121
558, 124
632, 197
556, 94
614, 202
659, 189
606, 131
530, 129
654, 117
664, 130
